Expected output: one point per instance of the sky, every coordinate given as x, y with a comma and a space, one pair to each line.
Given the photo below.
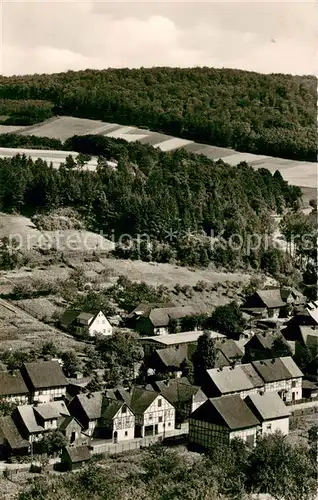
53, 36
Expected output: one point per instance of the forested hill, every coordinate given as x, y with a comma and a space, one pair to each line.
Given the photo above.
266, 114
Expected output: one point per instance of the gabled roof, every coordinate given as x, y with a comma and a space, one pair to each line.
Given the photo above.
45, 374
141, 399
229, 348
91, 404
110, 408
144, 309
12, 383
234, 379
11, 434
272, 370
230, 411
66, 422
271, 298
287, 291
266, 339
28, 417
162, 316
178, 390
268, 406
118, 394
78, 453
308, 334
52, 410
171, 356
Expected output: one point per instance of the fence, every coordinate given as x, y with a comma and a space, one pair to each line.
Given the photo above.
170, 437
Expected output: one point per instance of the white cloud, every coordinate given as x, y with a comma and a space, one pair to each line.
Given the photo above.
48, 36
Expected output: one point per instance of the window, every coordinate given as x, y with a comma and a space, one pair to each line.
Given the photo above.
159, 402
124, 409
126, 433
150, 416
293, 383
160, 419
169, 423
269, 427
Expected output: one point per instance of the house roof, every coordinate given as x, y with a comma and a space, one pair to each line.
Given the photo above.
271, 298
54, 409
11, 433
231, 410
180, 338
272, 370
45, 374
91, 404
286, 291
144, 309
171, 356
29, 419
12, 383
312, 310
308, 334
110, 408
162, 316
233, 379
266, 339
141, 399
78, 453
66, 422
178, 390
268, 406
229, 348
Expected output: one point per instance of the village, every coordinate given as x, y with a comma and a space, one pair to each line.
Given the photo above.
259, 381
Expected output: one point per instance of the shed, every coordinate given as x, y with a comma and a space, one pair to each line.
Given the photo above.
75, 457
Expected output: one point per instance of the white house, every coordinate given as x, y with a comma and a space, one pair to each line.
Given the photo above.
271, 411
13, 389
219, 420
281, 375
45, 381
117, 421
90, 323
153, 413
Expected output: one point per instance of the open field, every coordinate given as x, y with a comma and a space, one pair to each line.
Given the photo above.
20, 330
299, 173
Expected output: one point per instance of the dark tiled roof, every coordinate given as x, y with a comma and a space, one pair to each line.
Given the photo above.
171, 356
109, 409
266, 339
141, 399
272, 370
49, 411
144, 309
229, 348
178, 390
271, 298
91, 404
231, 410
78, 453
45, 374
11, 433
66, 422
69, 316
12, 383
164, 315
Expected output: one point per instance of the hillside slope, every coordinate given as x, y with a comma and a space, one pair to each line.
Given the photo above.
269, 114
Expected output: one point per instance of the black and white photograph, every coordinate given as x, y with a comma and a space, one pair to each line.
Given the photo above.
158, 250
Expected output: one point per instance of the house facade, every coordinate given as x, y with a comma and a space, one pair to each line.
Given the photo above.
265, 303
89, 323
175, 340
271, 411
45, 380
117, 421
153, 413
219, 420
281, 375
13, 388
87, 409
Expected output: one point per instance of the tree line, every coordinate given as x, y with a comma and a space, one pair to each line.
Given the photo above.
179, 200
264, 114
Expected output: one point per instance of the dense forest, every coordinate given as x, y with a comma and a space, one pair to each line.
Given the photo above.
267, 114
179, 200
